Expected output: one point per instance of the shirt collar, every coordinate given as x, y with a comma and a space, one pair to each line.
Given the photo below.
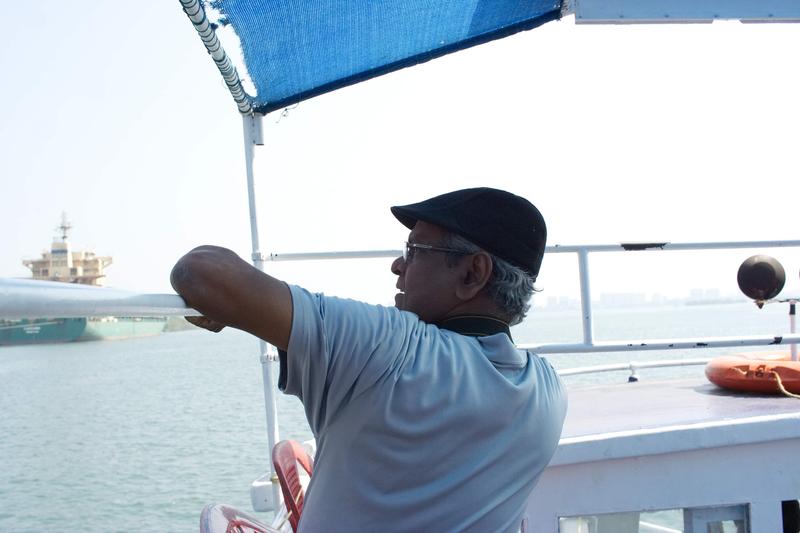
475, 325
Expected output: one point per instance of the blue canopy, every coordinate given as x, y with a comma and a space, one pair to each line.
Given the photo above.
294, 49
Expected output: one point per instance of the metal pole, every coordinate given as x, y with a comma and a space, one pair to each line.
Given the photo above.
253, 136
792, 326
197, 15
586, 297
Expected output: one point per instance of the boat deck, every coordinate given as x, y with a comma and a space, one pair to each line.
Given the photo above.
645, 418
656, 405
685, 446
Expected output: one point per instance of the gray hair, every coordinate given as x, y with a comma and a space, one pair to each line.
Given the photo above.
510, 287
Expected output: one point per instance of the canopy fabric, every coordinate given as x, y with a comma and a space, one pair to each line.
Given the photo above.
295, 49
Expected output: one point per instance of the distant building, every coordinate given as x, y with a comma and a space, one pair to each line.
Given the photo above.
659, 299
705, 294
561, 302
623, 299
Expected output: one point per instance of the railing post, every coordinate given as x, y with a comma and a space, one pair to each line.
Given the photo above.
586, 297
251, 124
793, 326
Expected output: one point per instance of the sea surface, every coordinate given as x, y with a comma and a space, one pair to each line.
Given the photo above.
138, 435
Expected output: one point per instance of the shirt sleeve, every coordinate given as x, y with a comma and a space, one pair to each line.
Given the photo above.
338, 348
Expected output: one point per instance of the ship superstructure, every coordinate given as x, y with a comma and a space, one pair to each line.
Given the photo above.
61, 263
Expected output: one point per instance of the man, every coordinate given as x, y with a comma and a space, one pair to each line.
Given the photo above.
426, 416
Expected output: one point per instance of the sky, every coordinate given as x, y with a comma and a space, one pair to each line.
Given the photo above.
119, 118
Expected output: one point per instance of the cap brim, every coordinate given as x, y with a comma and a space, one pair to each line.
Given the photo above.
405, 215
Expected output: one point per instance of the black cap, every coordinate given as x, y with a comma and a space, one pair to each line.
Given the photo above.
501, 223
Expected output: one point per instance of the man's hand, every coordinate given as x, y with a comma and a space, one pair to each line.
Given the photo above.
227, 291
205, 323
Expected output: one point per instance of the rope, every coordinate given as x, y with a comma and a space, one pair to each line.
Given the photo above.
296, 500
760, 372
289, 511
285, 519
197, 15
782, 388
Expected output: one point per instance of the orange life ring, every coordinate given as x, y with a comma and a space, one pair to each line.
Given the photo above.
769, 373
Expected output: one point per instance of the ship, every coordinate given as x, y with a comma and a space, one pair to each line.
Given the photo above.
84, 267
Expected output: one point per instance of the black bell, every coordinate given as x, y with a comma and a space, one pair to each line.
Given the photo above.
761, 278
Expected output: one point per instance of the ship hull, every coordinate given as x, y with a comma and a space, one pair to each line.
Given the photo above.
112, 328
57, 330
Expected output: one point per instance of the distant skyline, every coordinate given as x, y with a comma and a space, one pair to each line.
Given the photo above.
645, 133
639, 299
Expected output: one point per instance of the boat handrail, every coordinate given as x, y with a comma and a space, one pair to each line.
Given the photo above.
664, 344
553, 249
633, 366
29, 299
589, 345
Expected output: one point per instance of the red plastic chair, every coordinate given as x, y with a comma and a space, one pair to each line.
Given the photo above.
285, 456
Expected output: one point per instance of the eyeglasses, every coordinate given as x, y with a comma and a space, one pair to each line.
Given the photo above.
411, 249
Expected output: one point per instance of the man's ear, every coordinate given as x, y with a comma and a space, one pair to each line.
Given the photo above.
475, 274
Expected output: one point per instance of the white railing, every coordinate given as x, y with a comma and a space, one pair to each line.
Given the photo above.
665, 344
632, 367
24, 298
582, 252
29, 299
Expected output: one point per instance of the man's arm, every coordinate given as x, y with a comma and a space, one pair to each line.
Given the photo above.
231, 292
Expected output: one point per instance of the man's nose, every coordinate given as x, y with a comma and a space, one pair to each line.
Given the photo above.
398, 266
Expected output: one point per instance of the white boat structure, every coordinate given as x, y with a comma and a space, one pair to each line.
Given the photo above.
681, 456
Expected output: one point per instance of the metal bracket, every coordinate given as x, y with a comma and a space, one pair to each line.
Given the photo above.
258, 129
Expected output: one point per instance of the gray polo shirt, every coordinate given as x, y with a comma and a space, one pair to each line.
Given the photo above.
417, 428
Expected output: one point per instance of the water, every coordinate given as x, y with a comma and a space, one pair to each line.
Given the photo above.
138, 435
676, 321
132, 435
